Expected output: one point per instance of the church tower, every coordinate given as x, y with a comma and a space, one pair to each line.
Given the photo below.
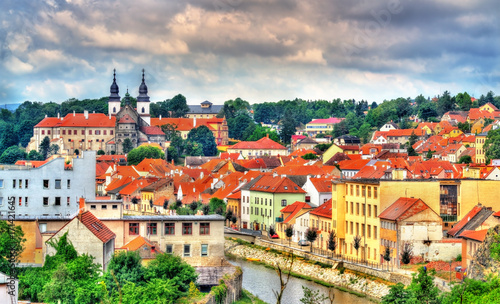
114, 98
143, 101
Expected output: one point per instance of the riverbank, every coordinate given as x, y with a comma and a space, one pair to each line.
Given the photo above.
326, 276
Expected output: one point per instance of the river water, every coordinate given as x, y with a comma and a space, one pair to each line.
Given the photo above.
261, 281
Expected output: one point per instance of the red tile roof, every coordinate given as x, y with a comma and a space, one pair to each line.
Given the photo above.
152, 130
324, 210
497, 214
49, 122
112, 158
137, 243
403, 208
322, 184
405, 132
126, 119
263, 143
458, 226
276, 184
479, 235
92, 223
299, 170
293, 210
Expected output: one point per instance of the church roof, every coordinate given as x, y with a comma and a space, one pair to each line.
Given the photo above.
92, 120
152, 130
126, 119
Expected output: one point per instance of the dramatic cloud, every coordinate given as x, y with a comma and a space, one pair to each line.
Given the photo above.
259, 50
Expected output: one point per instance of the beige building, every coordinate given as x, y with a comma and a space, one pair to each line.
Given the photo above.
261, 147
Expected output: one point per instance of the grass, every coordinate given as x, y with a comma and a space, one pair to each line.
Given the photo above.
248, 298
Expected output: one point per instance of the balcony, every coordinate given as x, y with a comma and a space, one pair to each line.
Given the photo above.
279, 220
448, 218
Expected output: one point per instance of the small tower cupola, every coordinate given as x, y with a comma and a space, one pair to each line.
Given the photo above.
114, 97
143, 101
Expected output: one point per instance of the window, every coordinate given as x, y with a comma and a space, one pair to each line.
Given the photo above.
169, 228
204, 250
375, 211
352, 190
152, 228
187, 250
105, 132
357, 190
20, 201
346, 207
375, 232
357, 208
97, 132
369, 210
133, 228
369, 231
64, 132
43, 132
20, 184
352, 207
67, 201
69, 132
104, 207
364, 210
26, 202
45, 201
1, 201
58, 184
42, 227
69, 184
204, 228
83, 132
187, 228
111, 132
92, 207
352, 228
283, 203
169, 248
114, 207
90, 132
14, 183
45, 184
374, 192
25, 184
369, 192
58, 201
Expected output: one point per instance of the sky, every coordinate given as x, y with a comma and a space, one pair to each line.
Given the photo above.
258, 50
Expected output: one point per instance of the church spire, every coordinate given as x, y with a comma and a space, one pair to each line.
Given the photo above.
114, 90
143, 90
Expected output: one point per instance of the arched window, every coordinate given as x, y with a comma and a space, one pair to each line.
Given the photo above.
114, 109
143, 110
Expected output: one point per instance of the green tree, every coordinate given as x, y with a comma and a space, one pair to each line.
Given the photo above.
445, 103
44, 147
7, 137
241, 125
409, 145
178, 106
125, 266
357, 243
261, 132
289, 233
311, 236
205, 138
34, 155
12, 154
464, 127
101, 152
127, 145
54, 149
153, 292
232, 107
288, 124
11, 245
423, 287
332, 241
466, 159
171, 267
312, 296
77, 152
420, 99
407, 252
140, 153
464, 101
217, 205
398, 294
427, 110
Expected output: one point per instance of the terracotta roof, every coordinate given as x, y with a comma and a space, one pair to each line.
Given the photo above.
471, 221
151, 130
479, 235
322, 184
232, 156
302, 152
235, 195
263, 143
293, 210
397, 210
356, 164
376, 171
119, 182
126, 119
92, 223
299, 170
276, 184
187, 124
49, 122
405, 132
112, 158
137, 244
324, 210
497, 214
94, 120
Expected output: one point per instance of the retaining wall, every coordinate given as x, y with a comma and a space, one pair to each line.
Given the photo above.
234, 283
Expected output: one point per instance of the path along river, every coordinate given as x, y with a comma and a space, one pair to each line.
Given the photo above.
261, 281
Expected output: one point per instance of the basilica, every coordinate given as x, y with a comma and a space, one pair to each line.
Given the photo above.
98, 131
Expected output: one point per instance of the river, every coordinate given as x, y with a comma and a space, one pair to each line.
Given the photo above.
261, 281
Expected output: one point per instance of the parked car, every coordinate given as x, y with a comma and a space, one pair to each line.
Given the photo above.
303, 243
275, 236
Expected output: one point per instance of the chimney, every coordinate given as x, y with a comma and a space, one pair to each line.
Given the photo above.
86, 114
109, 115
93, 112
81, 204
194, 122
73, 113
45, 115
58, 115
160, 116
267, 135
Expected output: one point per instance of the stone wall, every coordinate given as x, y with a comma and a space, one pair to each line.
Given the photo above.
234, 283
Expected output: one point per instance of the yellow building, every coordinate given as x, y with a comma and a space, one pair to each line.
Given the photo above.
356, 205
480, 139
322, 126
330, 152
